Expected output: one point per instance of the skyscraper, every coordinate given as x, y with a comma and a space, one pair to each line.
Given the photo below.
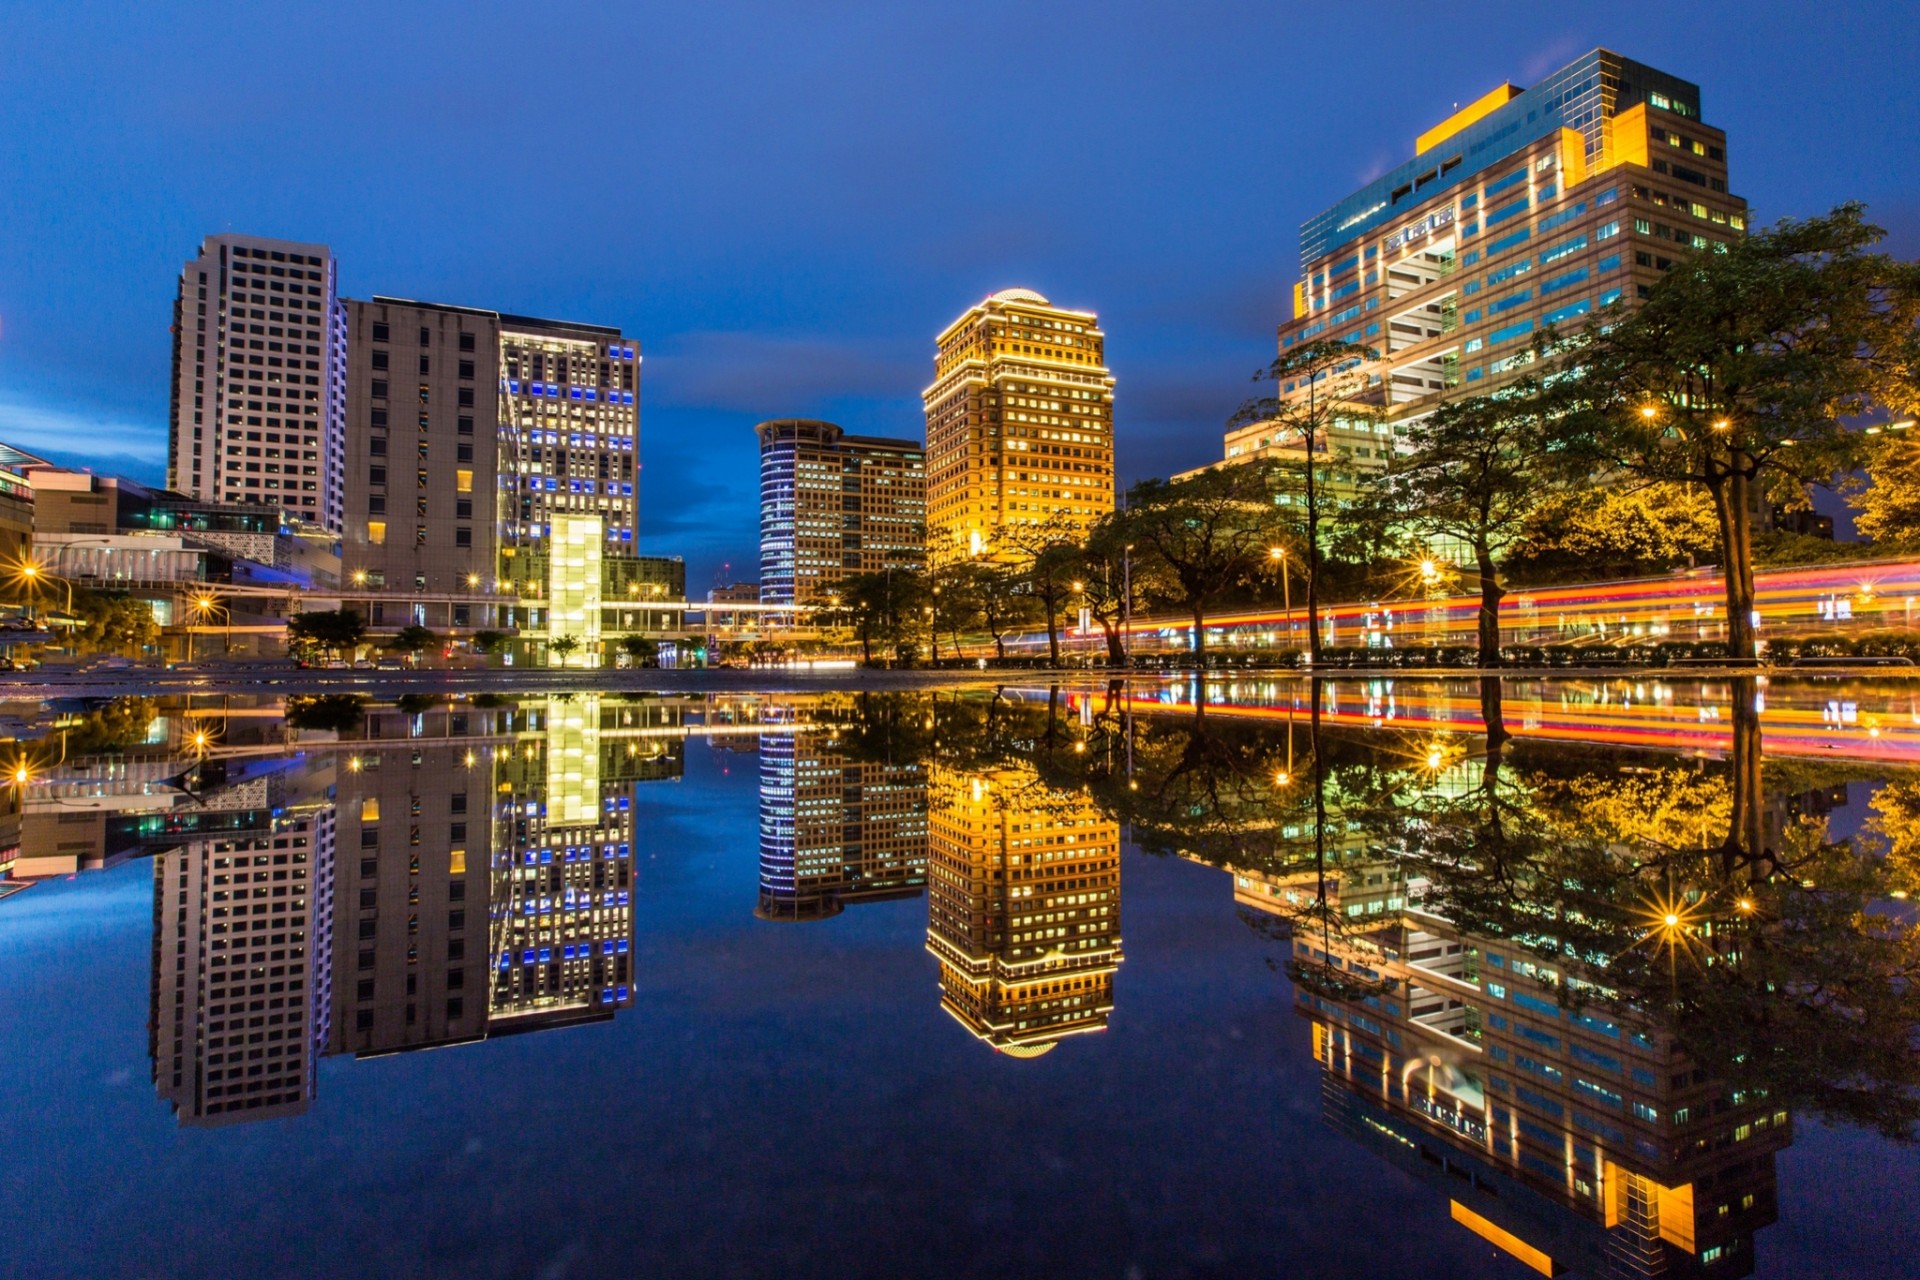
422, 451
241, 980
259, 354
1023, 907
1524, 209
1019, 427
832, 505
835, 828
489, 453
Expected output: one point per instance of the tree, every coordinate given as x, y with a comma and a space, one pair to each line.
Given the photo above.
563, 647
412, 640
1888, 509
1105, 571
1005, 604
884, 608
1208, 532
1615, 531
114, 623
644, 652
1315, 384
328, 631
1739, 371
1049, 559
1473, 476
488, 642
958, 600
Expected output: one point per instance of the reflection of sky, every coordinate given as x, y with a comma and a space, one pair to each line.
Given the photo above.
782, 1100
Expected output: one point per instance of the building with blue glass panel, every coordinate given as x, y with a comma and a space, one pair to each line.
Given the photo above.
1525, 209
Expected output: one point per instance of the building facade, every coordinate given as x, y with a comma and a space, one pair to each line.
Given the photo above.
422, 450
259, 396
1019, 428
241, 985
835, 828
833, 505
1524, 210
1023, 907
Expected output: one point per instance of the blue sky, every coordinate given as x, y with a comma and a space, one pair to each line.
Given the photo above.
785, 203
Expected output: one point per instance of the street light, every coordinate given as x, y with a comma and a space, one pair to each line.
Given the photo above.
1279, 556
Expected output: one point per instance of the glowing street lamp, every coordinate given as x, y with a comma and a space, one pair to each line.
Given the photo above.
1279, 556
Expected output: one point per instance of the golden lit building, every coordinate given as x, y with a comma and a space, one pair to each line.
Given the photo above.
1019, 426
1525, 209
1023, 907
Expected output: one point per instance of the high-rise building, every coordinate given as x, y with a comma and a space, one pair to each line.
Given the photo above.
259, 397
1023, 907
241, 981
491, 454
1019, 427
833, 505
1524, 209
561, 895
835, 828
411, 959
422, 454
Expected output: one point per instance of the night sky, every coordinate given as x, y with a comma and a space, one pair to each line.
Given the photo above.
784, 204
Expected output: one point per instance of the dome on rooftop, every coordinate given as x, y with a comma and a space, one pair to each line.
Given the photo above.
1027, 1050
1019, 295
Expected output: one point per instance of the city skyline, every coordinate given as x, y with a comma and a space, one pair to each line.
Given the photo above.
1188, 271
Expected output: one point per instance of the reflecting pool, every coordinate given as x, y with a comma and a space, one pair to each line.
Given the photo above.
1362, 978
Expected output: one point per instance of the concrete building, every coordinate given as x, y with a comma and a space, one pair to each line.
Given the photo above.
1525, 209
259, 396
241, 984
422, 457
834, 828
833, 505
1023, 907
411, 961
1019, 427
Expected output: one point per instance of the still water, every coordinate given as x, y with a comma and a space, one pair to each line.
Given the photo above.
1407, 979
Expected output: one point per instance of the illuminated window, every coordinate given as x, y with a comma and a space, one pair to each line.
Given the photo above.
377, 532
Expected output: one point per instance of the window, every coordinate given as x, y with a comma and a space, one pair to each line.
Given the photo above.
466, 342
377, 531
425, 366
377, 504
379, 359
379, 389
463, 536
380, 332
466, 370
426, 336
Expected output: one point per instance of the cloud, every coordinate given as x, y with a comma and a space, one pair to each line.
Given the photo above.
772, 376
84, 435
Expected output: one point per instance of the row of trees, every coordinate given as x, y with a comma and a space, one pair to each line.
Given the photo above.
1649, 438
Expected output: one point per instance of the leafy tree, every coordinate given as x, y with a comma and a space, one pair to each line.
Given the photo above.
1473, 476
1048, 556
1005, 604
1105, 571
114, 623
1315, 384
1209, 532
958, 600
412, 640
1615, 531
339, 712
328, 631
643, 650
1739, 371
563, 647
885, 609
114, 726
1888, 509
488, 642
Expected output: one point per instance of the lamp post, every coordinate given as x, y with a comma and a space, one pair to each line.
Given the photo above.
1126, 617
1279, 554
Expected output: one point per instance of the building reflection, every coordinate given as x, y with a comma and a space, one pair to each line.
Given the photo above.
835, 828
454, 873
1575, 1139
243, 922
1023, 906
